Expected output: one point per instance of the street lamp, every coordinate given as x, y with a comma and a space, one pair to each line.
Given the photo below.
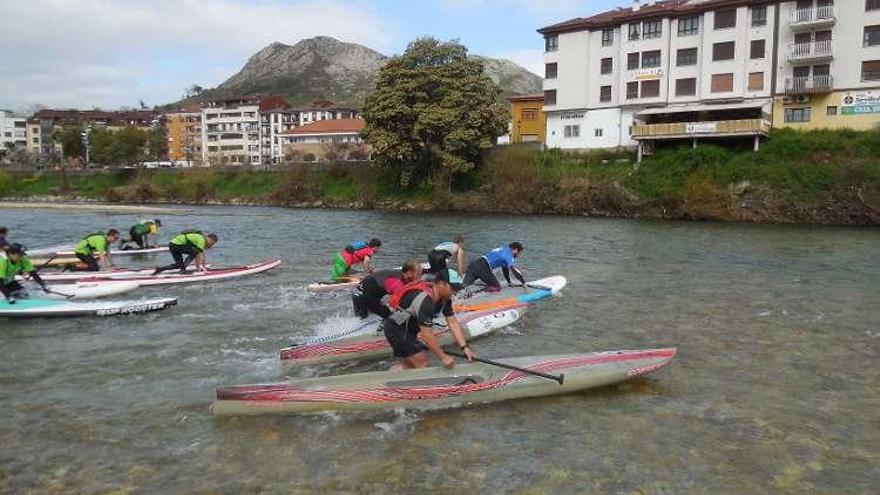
154, 124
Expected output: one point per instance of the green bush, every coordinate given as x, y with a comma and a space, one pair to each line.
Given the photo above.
5, 183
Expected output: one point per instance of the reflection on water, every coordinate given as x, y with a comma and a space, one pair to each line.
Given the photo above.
774, 389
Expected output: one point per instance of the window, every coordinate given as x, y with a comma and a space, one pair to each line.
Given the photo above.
871, 70
634, 31
872, 5
831, 111
759, 16
686, 56
651, 59
632, 90
607, 37
725, 19
722, 83
723, 51
36, 140
686, 87
632, 61
550, 70
757, 49
598, 132
550, 97
756, 81
551, 42
821, 70
652, 29
572, 131
530, 114
651, 89
689, 26
872, 35
605, 93
607, 65
797, 114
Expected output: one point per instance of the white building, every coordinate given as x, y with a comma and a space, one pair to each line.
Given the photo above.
231, 131
13, 131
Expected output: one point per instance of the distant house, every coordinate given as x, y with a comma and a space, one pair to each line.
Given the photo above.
185, 134
339, 136
528, 122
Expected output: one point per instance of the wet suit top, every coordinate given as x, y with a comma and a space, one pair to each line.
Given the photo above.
389, 281
358, 256
450, 247
9, 269
502, 257
145, 227
415, 303
194, 239
91, 244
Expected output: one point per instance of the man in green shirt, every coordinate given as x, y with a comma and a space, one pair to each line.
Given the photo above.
191, 243
140, 233
16, 263
96, 247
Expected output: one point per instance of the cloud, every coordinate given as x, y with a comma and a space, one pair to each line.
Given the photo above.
531, 59
114, 52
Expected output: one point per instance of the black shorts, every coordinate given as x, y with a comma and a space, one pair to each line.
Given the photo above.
479, 270
404, 339
10, 288
367, 298
90, 261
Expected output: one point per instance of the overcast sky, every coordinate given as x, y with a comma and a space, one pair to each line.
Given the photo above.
112, 53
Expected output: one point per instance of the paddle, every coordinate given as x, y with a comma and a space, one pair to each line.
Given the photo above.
560, 378
68, 296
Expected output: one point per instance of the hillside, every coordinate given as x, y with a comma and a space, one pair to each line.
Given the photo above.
326, 68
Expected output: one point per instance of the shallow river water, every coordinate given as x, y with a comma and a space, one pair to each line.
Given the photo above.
775, 388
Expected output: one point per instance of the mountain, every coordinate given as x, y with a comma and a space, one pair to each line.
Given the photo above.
326, 68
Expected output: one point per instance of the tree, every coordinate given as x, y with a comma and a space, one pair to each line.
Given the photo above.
432, 113
70, 137
126, 146
158, 143
192, 91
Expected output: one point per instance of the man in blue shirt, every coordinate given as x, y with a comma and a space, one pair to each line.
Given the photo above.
503, 257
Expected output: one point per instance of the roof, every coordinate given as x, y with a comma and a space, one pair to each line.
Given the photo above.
530, 97
663, 8
273, 103
324, 105
330, 126
121, 116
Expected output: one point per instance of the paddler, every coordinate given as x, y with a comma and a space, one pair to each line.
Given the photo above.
409, 328
193, 244
367, 296
16, 263
360, 252
140, 233
503, 257
96, 247
439, 256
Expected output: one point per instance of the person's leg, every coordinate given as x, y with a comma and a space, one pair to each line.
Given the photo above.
139, 240
16, 290
437, 261
479, 270
358, 304
90, 262
177, 255
340, 268
418, 360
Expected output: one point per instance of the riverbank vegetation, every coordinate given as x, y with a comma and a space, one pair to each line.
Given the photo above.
830, 177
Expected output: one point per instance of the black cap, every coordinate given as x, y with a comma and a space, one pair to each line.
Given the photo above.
157, 222
15, 248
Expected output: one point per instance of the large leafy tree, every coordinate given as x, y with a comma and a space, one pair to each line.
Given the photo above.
432, 113
126, 146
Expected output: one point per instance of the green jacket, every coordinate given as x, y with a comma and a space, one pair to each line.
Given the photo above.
145, 228
8, 269
91, 244
194, 239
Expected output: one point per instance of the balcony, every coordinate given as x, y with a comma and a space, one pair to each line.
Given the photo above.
816, 51
808, 85
720, 128
802, 19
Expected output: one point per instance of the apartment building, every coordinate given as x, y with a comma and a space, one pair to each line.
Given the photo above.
277, 117
828, 69
672, 70
185, 135
325, 110
13, 131
231, 131
327, 135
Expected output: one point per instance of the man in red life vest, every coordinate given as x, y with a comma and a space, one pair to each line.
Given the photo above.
367, 296
409, 328
353, 254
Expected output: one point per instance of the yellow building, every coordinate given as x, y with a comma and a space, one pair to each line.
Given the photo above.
185, 135
528, 122
857, 109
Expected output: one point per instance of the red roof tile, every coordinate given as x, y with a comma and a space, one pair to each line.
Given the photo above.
531, 97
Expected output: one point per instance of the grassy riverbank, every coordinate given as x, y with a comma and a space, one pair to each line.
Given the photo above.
829, 177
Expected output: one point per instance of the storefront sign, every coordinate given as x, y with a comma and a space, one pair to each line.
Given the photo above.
860, 102
699, 127
649, 74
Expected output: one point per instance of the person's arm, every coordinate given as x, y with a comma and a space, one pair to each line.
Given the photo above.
458, 335
427, 336
39, 280
368, 264
518, 275
459, 260
506, 273
200, 261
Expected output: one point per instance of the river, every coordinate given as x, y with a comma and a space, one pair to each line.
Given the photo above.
775, 388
